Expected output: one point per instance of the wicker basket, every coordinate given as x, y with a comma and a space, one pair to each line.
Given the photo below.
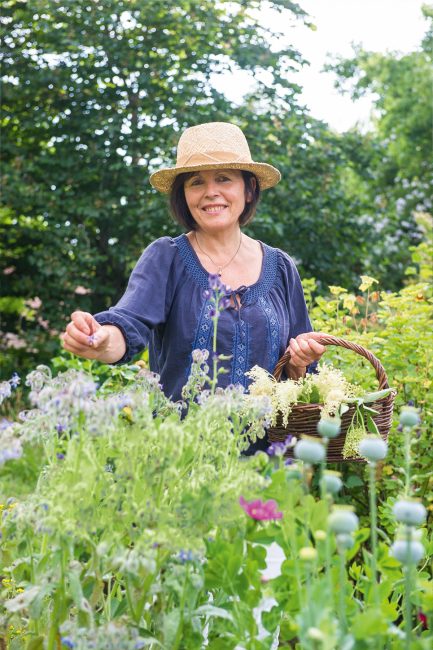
303, 418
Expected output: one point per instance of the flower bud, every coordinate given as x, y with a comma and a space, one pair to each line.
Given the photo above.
332, 481
329, 427
409, 416
411, 513
373, 448
407, 551
342, 520
309, 450
307, 554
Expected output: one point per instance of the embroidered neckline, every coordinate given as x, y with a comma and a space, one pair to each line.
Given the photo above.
249, 294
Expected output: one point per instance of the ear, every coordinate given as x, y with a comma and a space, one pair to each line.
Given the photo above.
249, 192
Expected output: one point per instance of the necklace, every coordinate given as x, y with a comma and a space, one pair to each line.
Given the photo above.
220, 268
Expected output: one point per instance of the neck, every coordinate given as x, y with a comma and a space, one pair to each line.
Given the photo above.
219, 242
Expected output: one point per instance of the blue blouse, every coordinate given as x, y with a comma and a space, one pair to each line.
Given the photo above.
164, 307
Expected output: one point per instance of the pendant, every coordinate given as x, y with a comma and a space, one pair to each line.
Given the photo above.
219, 272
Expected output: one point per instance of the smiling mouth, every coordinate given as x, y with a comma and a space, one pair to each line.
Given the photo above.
213, 209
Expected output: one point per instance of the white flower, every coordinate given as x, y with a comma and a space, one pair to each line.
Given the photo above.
23, 600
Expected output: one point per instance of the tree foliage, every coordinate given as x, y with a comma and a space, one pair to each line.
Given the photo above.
95, 95
389, 169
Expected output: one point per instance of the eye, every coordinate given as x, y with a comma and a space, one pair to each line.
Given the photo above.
223, 179
194, 181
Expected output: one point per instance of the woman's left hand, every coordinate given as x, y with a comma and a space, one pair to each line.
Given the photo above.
305, 349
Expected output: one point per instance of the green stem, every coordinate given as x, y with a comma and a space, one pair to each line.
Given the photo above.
328, 564
407, 458
373, 514
407, 595
342, 592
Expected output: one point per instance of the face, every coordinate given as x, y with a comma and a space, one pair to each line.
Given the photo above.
216, 198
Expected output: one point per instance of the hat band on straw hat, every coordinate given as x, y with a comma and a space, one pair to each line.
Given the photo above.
208, 157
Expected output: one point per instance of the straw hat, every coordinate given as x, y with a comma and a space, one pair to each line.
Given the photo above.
210, 146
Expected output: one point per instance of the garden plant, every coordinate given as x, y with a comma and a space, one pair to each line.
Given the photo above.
129, 521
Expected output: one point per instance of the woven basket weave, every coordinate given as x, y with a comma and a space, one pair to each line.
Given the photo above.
303, 418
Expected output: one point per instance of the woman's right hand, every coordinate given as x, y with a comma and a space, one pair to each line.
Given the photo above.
85, 337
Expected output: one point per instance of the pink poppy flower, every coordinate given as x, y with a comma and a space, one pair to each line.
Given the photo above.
261, 510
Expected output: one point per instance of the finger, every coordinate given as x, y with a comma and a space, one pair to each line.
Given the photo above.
84, 321
316, 347
77, 335
79, 350
299, 356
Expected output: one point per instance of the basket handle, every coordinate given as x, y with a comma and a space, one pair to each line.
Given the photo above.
328, 339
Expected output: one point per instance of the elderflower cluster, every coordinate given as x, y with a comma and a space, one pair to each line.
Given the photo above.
334, 389
328, 387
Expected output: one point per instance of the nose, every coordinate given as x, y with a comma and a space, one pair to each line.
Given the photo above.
211, 188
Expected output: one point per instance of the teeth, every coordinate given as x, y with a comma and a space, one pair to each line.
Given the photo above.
215, 209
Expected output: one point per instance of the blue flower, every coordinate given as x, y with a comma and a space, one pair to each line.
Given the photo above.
14, 380
67, 642
185, 556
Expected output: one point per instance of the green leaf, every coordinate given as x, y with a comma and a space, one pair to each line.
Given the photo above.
371, 425
214, 612
372, 397
369, 624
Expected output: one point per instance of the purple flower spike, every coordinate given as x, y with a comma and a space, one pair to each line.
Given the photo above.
212, 312
279, 448
261, 510
215, 282
225, 302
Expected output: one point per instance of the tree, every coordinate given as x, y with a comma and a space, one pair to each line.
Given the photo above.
94, 96
389, 169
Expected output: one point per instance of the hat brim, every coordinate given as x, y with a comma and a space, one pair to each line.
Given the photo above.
267, 175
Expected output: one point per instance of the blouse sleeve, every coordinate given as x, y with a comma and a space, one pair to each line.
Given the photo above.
298, 312
147, 299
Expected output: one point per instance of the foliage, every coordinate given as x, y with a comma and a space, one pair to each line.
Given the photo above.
396, 327
131, 535
94, 98
389, 171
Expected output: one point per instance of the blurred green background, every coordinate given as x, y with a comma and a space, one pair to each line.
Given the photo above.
94, 97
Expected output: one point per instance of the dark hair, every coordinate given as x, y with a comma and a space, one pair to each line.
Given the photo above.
180, 211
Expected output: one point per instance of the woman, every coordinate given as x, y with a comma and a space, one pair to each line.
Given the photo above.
214, 189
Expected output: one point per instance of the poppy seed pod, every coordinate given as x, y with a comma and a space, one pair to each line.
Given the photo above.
332, 481
344, 541
342, 520
309, 450
409, 416
411, 513
329, 427
407, 551
373, 448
